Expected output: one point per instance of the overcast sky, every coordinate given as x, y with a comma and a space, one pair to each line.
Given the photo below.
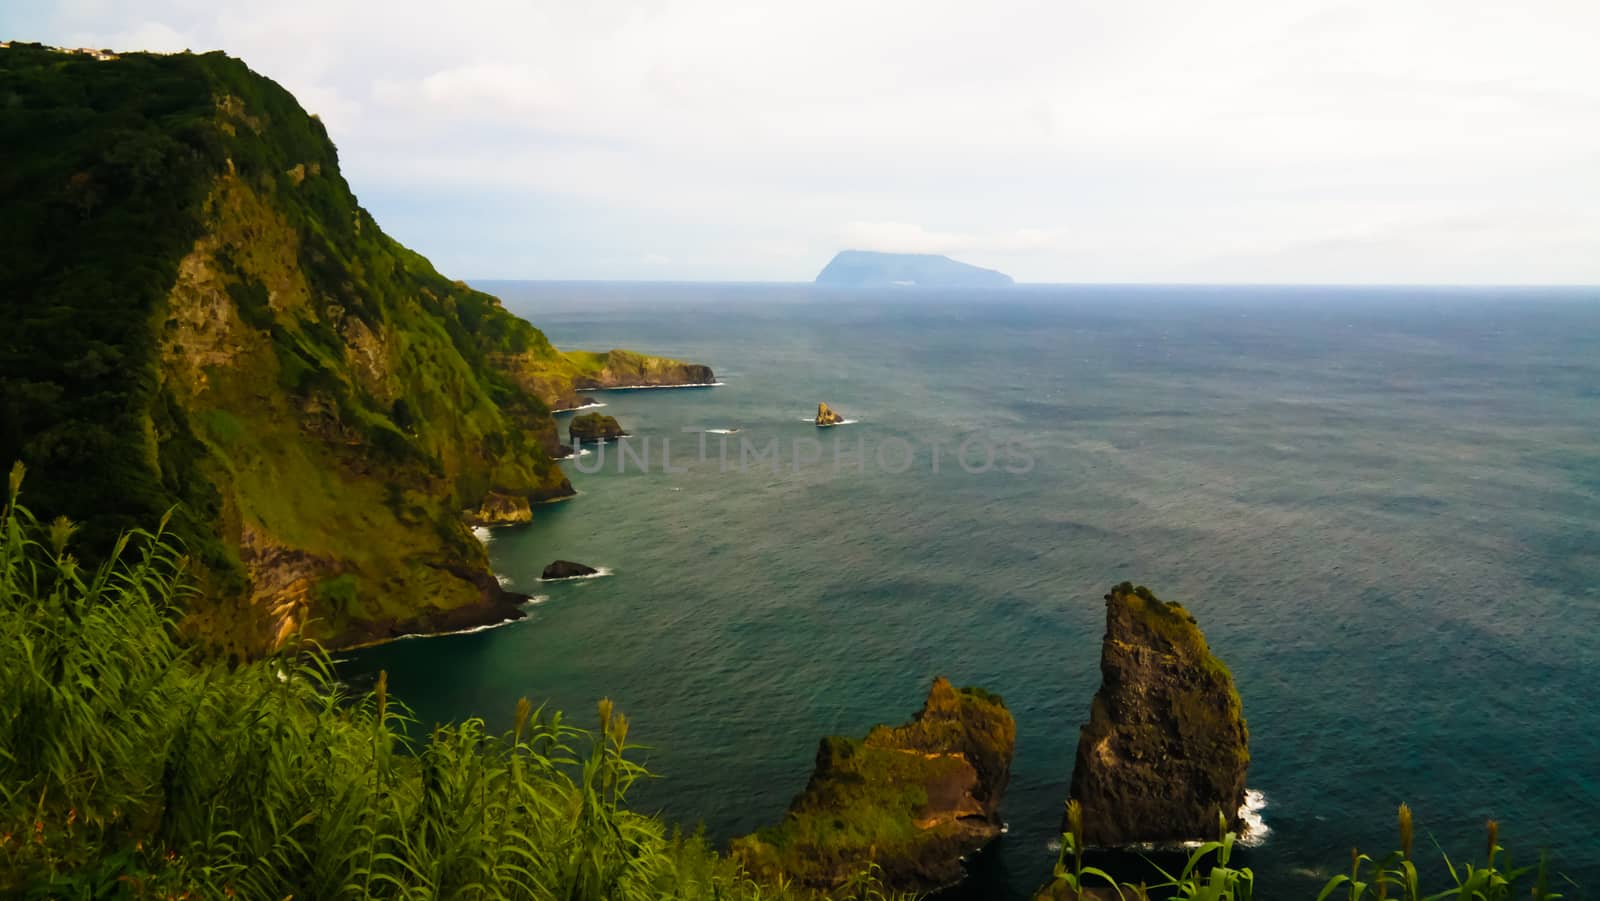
1118, 140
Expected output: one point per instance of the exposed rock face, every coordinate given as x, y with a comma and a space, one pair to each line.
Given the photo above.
594, 427
500, 508
913, 799
1166, 746
566, 569
827, 416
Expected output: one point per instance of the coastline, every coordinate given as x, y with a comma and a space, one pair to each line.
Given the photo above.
716, 384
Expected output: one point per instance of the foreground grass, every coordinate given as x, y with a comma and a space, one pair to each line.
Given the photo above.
131, 768
1209, 874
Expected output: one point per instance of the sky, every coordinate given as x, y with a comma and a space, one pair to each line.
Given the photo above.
1306, 141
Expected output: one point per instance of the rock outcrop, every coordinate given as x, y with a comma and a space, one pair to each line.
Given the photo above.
913, 799
594, 427
1166, 746
827, 416
566, 569
501, 508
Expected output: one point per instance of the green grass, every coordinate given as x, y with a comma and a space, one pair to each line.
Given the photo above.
1209, 874
130, 768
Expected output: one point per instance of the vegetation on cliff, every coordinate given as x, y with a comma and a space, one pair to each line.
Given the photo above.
1166, 747
910, 799
198, 313
130, 768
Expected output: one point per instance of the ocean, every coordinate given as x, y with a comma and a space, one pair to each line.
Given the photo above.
1381, 504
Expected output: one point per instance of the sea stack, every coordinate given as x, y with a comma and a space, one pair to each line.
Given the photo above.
826, 416
914, 799
594, 427
1166, 746
566, 569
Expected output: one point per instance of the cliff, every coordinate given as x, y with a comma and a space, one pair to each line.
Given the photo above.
1166, 746
913, 799
870, 269
201, 316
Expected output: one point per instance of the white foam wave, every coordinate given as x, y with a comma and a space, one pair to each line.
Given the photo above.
588, 406
599, 572
483, 534
471, 629
505, 581
719, 431
536, 600
659, 387
1255, 829
830, 425
1251, 835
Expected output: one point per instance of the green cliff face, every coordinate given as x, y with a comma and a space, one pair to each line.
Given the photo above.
1166, 746
200, 314
912, 799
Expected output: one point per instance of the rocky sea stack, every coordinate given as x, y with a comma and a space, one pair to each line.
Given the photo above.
1166, 746
594, 427
913, 799
827, 416
566, 569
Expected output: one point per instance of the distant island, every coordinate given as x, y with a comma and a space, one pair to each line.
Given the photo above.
870, 269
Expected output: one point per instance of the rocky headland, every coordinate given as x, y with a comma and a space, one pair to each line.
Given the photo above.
912, 799
324, 413
1166, 746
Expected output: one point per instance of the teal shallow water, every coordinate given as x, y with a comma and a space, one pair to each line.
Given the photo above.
1383, 506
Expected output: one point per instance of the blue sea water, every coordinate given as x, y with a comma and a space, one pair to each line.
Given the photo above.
1382, 504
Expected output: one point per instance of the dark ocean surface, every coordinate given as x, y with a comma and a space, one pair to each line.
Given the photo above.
1382, 504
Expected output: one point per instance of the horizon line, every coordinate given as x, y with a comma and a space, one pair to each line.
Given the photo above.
911, 289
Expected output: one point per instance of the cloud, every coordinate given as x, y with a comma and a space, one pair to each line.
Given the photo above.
1133, 141
904, 237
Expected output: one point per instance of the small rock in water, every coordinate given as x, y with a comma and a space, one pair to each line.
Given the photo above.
566, 569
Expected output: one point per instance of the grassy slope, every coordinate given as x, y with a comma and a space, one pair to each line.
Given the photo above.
204, 316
